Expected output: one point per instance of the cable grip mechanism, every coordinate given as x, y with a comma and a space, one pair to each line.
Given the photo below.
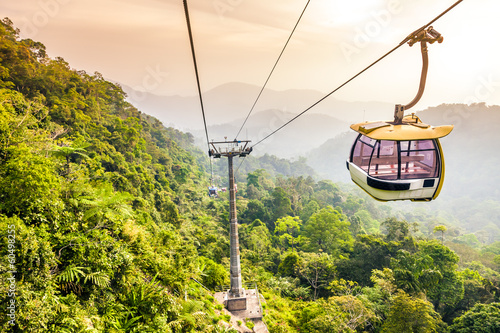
422, 36
428, 35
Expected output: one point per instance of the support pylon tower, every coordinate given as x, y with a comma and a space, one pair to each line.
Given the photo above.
235, 268
231, 149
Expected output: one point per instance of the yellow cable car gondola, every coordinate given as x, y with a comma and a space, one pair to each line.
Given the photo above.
398, 162
402, 159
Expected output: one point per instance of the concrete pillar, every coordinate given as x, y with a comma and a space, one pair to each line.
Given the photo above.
235, 268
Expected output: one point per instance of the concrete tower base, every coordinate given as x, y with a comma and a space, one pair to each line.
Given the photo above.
251, 311
236, 304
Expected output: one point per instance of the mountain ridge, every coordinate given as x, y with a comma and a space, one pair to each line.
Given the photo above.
234, 100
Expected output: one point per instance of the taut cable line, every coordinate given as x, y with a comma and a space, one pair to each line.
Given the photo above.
188, 22
272, 70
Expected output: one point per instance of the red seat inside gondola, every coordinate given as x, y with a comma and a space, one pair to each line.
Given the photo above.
387, 167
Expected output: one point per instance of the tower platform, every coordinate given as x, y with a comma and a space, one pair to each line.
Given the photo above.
252, 311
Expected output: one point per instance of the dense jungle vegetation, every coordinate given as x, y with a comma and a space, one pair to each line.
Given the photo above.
113, 227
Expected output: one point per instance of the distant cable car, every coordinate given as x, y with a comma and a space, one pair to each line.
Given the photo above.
402, 159
212, 192
398, 161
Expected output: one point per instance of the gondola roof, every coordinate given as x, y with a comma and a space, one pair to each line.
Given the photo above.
412, 128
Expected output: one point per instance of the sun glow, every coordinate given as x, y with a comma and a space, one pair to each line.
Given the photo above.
337, 13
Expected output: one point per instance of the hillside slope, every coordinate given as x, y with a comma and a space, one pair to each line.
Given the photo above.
98, 200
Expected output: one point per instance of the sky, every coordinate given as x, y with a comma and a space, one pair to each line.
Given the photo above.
144, 44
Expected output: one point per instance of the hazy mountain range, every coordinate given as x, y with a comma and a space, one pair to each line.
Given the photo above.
227, 106
232, 101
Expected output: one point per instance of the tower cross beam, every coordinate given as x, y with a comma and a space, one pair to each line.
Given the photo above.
229, 148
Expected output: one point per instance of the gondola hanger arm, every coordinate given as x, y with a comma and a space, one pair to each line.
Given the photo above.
423, 37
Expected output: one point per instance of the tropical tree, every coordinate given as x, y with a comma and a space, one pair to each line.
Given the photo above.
441, 229
258, 240
482, 318
411, 314
289, 266
476, 290
369, 252
309, 209
327, 230
415, 273
29, 186
279, 204
317, 269
397, 230
256, 210
322, 316
288, 229
450, 288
